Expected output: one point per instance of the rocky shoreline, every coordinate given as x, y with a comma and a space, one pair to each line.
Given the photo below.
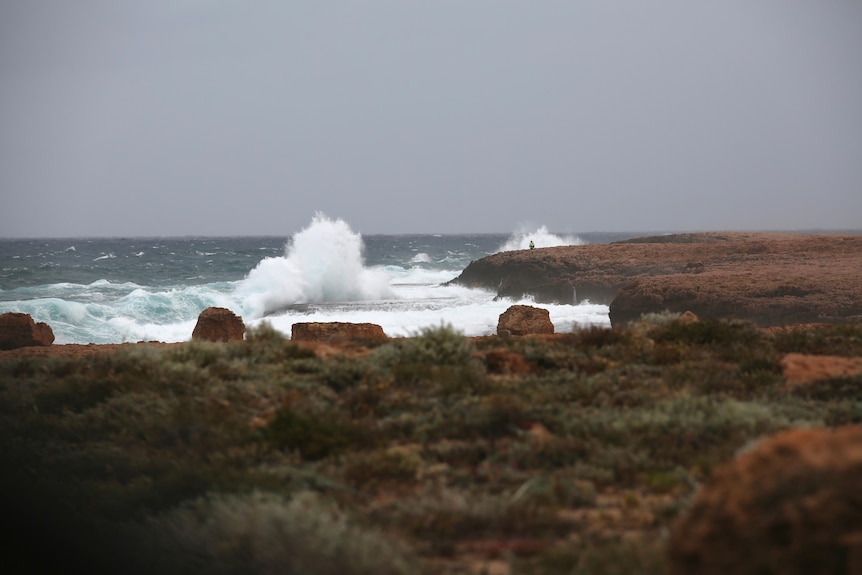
768, 278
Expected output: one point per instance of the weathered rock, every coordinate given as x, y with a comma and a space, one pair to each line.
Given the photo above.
218, 324
502, 361
19, 330
792, 505
687, 317
525, 320
335, 331
767, 278
801, 369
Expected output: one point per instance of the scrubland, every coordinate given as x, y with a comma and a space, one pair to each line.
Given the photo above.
438, 453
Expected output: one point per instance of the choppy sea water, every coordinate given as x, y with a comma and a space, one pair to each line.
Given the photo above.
114, 290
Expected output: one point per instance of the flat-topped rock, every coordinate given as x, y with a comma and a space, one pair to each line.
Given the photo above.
768, 278
334, 331
218, 324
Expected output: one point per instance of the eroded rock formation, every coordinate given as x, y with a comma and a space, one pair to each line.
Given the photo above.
19, 330
792, 505
334, 331
218, 324
525, 320
768, 278
802, 369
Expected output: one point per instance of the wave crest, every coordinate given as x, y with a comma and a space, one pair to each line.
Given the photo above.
322, 263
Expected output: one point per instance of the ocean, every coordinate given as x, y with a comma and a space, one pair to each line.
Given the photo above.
116, 290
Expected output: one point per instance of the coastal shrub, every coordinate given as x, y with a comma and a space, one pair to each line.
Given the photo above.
21, 368
596, 336
266, 533
687, 430
199, 354
704, 376
444, 517
76, 385
437, 355
314, 436
842, 339
548, 355
843, 413
645, 557
441, 345
544, 454
342, 373
719, 333
265, 344
264, 334
838, 389
630, 386
676, 480
394, 464
655, 319
368, 397
74, 393
609, 463
458, 452
641, 556
668, 353
557, 489
757, 382
500, 413
491, 416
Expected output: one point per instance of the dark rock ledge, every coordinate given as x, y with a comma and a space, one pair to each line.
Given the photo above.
768, 278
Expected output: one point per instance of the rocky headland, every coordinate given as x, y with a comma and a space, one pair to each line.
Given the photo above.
768, 278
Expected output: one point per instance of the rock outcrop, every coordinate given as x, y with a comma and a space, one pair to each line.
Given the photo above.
767, 278
525, 320
335, 331
792, 505
218, 324
802, 369
19, 330
503, 361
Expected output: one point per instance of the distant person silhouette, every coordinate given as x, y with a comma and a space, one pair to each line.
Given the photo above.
532, 245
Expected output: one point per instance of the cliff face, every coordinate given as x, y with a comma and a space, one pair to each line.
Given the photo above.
768, 278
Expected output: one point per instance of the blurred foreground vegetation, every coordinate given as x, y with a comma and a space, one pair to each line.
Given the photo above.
431, 454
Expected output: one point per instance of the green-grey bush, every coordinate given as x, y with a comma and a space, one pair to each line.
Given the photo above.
440, 356
265, 533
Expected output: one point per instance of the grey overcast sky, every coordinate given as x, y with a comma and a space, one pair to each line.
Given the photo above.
229, 117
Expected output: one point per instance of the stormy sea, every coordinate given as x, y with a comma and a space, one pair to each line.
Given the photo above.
116, 290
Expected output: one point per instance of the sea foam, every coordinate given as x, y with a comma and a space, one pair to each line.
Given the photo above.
321, 274
541, 238
322, 263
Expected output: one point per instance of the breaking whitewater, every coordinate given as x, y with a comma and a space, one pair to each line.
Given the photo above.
110, 290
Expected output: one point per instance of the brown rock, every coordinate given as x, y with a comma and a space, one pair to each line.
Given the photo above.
766, 278
19, 330
800, 369
540, 434
525, 320
687, 317
218, 324
335, 331
502, 361
792, 505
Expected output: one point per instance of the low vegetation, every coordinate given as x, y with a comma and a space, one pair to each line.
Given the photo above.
437, 453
